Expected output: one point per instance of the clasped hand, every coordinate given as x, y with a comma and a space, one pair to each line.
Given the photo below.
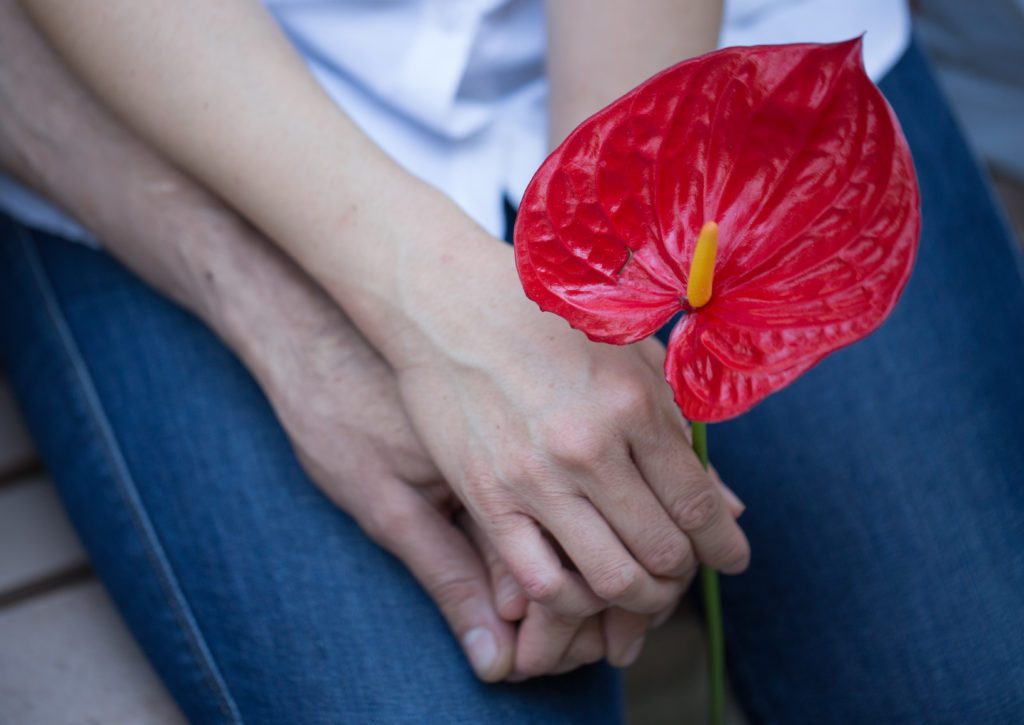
585, 508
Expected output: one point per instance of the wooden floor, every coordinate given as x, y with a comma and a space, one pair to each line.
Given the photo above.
67, 659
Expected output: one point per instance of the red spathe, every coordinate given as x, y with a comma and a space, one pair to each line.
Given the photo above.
796, 155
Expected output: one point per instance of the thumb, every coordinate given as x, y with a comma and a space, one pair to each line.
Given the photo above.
451, 571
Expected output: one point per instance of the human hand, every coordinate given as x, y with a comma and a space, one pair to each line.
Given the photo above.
542, 432
338, 401
549, 643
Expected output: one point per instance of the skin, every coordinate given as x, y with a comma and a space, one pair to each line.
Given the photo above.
600, 49
551, 443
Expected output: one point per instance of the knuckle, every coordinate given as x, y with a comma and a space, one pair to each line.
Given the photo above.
670, 556
482, 490
515, 463
538, 587
452, 593
578, 444
487, 496
695, 511
476, 470
631, 398
481, 477
617, 582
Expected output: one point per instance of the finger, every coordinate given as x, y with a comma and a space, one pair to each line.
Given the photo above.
624, 634
736, 506
641, 523
608, 568
694, 502
543, 639
586, 648
450, 570
508, 598
538, 569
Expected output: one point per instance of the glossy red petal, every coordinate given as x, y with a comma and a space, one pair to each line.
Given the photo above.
796, 155
707, 389
584, 244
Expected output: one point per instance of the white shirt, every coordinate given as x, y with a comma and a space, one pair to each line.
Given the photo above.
454, 90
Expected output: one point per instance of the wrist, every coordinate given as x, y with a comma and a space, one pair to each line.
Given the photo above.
403, 257
235, 280
262, 305
453, 289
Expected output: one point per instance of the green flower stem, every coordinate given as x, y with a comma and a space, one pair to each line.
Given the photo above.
712, 605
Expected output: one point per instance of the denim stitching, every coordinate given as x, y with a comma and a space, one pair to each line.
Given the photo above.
129, 492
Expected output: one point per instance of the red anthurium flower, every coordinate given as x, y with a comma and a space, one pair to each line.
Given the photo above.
796, 156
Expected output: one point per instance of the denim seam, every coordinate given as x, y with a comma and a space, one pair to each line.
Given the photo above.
128, 490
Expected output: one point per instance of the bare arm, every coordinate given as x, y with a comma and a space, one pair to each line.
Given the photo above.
599, 49
219, 90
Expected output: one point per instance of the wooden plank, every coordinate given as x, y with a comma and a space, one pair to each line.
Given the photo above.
36, 539
68, 658
16, 450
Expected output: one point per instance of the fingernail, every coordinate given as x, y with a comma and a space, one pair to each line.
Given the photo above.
735, 504
632, 652
481, 649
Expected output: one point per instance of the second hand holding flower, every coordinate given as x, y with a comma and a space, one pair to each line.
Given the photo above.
548, 434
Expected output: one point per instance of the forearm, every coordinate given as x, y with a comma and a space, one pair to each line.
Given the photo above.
174, 234
599, 49
219, 90
59, 142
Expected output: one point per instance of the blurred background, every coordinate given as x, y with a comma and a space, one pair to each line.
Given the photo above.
977, 49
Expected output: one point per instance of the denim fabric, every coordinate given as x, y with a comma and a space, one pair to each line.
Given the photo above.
256, 599
885, 494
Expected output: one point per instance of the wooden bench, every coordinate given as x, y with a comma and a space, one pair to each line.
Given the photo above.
67, 657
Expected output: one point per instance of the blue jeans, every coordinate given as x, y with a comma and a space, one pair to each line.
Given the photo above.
885, 494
